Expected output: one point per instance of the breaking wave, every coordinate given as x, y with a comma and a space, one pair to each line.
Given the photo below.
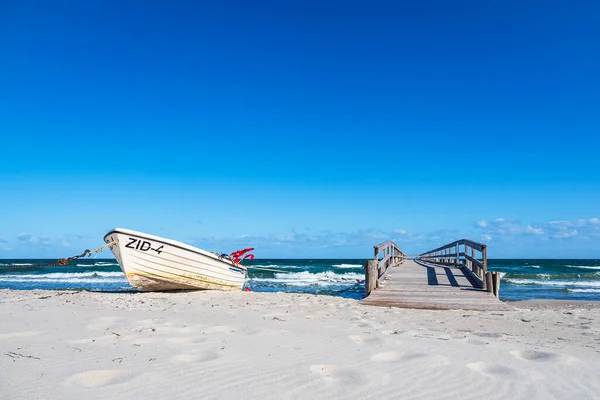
353, 266
539, 282
99, 276
305, 278
585, 266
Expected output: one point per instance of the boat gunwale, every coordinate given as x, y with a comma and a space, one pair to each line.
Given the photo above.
173, 243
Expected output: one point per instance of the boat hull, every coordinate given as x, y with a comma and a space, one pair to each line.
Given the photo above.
152, 263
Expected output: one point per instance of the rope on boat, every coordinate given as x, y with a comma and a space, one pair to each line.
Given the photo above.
62, 262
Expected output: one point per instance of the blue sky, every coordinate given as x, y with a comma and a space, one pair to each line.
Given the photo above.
304, 129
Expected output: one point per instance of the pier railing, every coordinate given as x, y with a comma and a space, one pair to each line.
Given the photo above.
386, 256
471, 257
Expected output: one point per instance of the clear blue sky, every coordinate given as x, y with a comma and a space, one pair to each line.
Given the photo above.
304, 129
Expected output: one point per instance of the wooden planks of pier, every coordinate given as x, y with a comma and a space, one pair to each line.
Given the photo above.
429, 283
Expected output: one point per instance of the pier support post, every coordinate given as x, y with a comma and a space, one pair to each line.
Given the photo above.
496, 280
371, 276
489, 283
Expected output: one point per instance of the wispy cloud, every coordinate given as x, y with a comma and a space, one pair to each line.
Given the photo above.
534, 230
309, 242
506, 229
24, 236
27, 239
503, 234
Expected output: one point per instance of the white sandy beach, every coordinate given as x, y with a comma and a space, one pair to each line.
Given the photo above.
84, 345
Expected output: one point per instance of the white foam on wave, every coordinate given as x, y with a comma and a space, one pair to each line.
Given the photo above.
306, 278
584, 290
584, 266
97, 265
73, 280
347, 266
275, 266
519, 281
64, 275
532, 266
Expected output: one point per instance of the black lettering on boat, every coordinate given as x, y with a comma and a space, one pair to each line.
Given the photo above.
130, 244
158, 249
143, 245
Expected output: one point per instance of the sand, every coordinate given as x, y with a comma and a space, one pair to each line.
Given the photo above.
85, 345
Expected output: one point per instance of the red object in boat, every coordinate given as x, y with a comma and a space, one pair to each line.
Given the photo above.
239, 253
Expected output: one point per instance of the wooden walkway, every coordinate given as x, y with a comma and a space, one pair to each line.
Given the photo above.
434, 282
430, 286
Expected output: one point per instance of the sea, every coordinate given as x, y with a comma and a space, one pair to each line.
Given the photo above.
521, 279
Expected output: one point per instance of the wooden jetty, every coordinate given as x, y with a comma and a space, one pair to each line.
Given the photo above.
454, 276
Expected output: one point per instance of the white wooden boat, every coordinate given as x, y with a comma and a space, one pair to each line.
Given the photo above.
152, 263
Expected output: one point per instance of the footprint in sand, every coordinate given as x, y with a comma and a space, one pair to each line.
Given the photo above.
198, 357
332, 374
186, 340
493, 335
493, 369
407, 356
228, 329
388, 356
476, 342
366, 324
263, 332
535, 355
250, 331
97, 378
365, 338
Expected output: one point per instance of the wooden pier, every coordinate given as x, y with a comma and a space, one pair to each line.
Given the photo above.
453, 276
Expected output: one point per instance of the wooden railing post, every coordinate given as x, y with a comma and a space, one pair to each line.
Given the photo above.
484, 263
450, 254
484, 259
457, 257
377, 269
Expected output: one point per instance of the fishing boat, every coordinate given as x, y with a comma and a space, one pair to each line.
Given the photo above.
153, 263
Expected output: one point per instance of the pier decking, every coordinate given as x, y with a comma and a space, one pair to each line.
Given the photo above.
439, 279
